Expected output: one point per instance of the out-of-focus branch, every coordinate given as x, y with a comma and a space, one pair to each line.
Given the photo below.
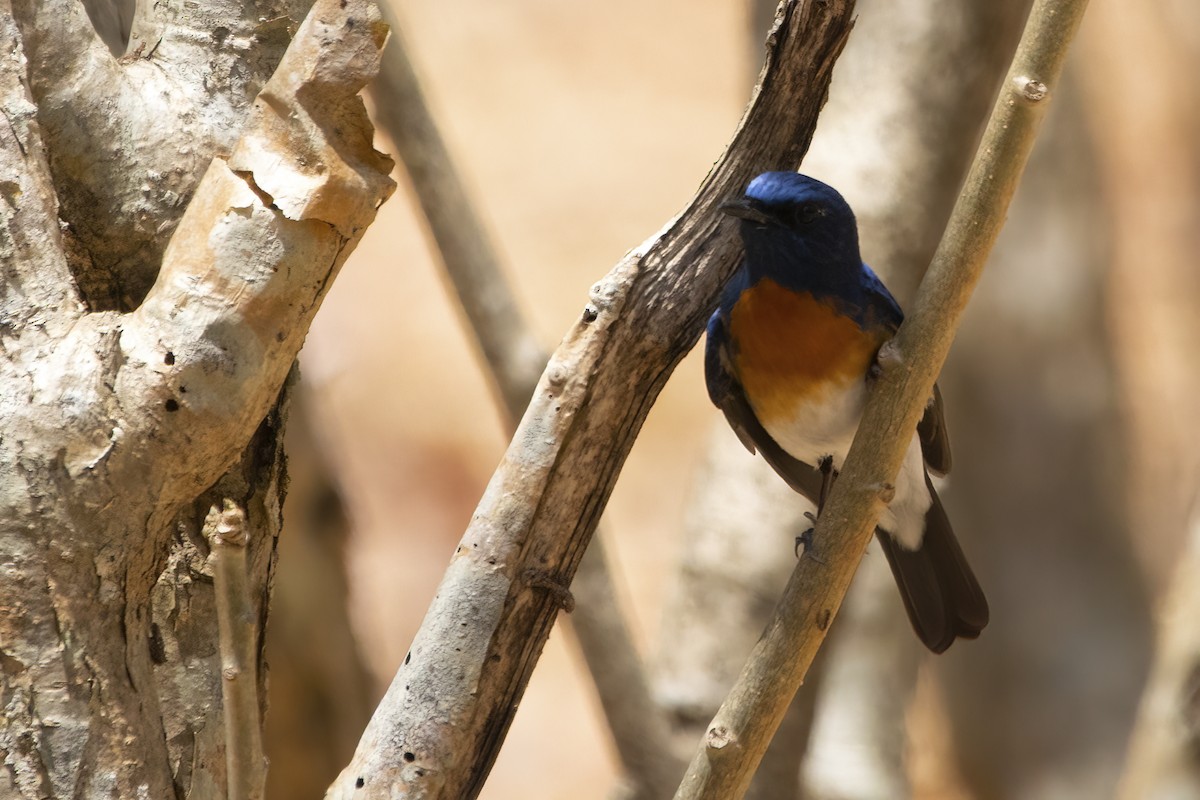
1146, 117
1146, 120
515, 361
225, 530
640, 729
742, 728
438, 730
509, 348
1162, 760
737, 554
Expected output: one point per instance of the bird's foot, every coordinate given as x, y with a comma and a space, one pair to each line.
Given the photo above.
804, 542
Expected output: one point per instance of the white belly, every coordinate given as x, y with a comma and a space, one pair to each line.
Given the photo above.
824, 424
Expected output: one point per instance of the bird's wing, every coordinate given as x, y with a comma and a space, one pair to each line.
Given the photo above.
726, 394
935, 442
882, 308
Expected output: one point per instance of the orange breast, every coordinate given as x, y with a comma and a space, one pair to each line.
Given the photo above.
790, 348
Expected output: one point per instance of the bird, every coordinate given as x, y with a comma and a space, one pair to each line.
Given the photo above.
791, 354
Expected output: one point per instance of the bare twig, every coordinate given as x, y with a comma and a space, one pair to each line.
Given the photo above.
889, 144
739, 734
515, 362
439, 727
892, 142
225, 530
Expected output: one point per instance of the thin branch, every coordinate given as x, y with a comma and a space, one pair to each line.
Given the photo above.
515, 361
225, 530
511, 351
742, 728
891, 143
437, 731
739, 528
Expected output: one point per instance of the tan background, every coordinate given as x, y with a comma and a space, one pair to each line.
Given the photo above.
581, 128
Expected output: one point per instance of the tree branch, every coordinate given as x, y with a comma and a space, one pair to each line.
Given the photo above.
511, 352
155, 116
115, 423
262, 239
439, 727
225, 530
515, 362
742, 728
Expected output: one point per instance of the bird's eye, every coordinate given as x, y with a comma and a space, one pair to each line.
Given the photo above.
804, 213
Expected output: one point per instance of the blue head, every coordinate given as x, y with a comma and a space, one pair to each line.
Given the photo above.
797, 230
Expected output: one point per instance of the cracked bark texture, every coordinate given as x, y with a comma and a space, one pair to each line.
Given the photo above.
125, 418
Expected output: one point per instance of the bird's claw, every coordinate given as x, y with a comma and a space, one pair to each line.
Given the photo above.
804, 542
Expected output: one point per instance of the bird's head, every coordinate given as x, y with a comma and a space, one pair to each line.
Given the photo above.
788, 218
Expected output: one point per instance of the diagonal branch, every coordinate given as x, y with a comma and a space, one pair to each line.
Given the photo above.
739, 733
439, 728
515, 361
509, 348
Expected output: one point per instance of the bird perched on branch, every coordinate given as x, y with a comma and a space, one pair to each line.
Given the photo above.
790, 359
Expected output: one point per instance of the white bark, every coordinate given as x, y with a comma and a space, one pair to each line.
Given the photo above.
130, 138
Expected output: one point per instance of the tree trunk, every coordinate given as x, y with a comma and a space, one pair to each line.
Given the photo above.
142, 382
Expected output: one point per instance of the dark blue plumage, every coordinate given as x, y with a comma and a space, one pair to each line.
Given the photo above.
789, 355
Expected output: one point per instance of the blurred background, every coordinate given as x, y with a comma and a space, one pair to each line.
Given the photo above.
580, 128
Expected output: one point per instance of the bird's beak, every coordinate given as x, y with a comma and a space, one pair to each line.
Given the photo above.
747, 209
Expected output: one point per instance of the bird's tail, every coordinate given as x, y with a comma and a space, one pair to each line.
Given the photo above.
940, 592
